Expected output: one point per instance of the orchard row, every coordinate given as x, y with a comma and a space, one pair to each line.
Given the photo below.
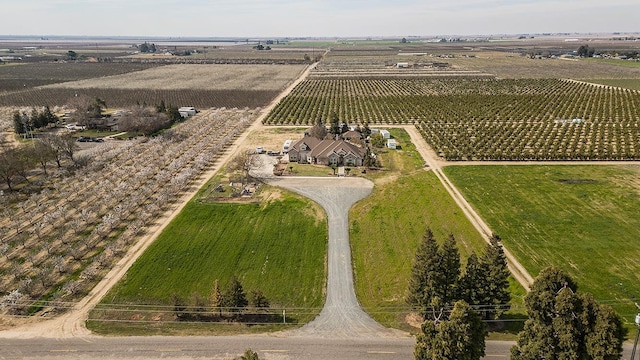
472, 118
56, 244
128, 97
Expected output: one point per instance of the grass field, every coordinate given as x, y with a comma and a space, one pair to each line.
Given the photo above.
387, 227
583, 219
277, 247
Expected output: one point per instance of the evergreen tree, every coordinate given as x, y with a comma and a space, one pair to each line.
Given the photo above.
461, 337
179, 306
161, 107
18, 123
235, 297
173, 113
565, 325
496, 280
472, 286
48, 116
448, 271
422, 282
258, 300
335, 124
366, 131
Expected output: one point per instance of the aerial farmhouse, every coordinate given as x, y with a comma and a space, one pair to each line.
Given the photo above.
311, 150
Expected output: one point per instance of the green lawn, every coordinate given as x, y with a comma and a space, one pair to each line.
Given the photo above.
583, 219
278, 248
386, 229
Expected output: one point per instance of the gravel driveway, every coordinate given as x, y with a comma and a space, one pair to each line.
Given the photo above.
342, 316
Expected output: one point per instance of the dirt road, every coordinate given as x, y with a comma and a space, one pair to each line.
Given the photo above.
435, 164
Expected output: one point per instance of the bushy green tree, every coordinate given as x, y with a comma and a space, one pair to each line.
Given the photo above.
496, 280
460, 337
423, 281
234, 297
434, 275
250, 355
377, 140
564, 324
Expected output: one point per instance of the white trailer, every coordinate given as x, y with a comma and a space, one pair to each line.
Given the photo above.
286, 146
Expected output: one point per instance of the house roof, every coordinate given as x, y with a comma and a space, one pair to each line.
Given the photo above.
352, 135
323, 148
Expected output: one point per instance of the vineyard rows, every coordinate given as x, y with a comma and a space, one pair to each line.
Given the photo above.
473, 118
128, 97
56, 244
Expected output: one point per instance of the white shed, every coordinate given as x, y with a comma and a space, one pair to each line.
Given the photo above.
187, 111
391, 144
385, 134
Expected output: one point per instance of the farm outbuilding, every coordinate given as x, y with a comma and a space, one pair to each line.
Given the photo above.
391, 144
385, 134
187, 111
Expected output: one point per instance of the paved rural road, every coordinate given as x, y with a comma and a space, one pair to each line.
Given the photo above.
220, 347
342, 316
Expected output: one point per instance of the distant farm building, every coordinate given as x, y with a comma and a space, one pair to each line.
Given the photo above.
391, 144
187, 111
385, 134
402, 65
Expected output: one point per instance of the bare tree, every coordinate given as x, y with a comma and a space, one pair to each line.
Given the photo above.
144, 120
245, 162
87, 111
12, 164
50, 141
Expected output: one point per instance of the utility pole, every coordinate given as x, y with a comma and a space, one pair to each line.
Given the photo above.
635, 344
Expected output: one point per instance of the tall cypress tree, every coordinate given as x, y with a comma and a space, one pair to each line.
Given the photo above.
472, 287
448, 271
422, 283
496, 280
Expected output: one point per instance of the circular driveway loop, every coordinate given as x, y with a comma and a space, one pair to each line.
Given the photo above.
342, 316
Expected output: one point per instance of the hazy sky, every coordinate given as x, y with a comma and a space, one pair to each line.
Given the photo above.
344, 18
